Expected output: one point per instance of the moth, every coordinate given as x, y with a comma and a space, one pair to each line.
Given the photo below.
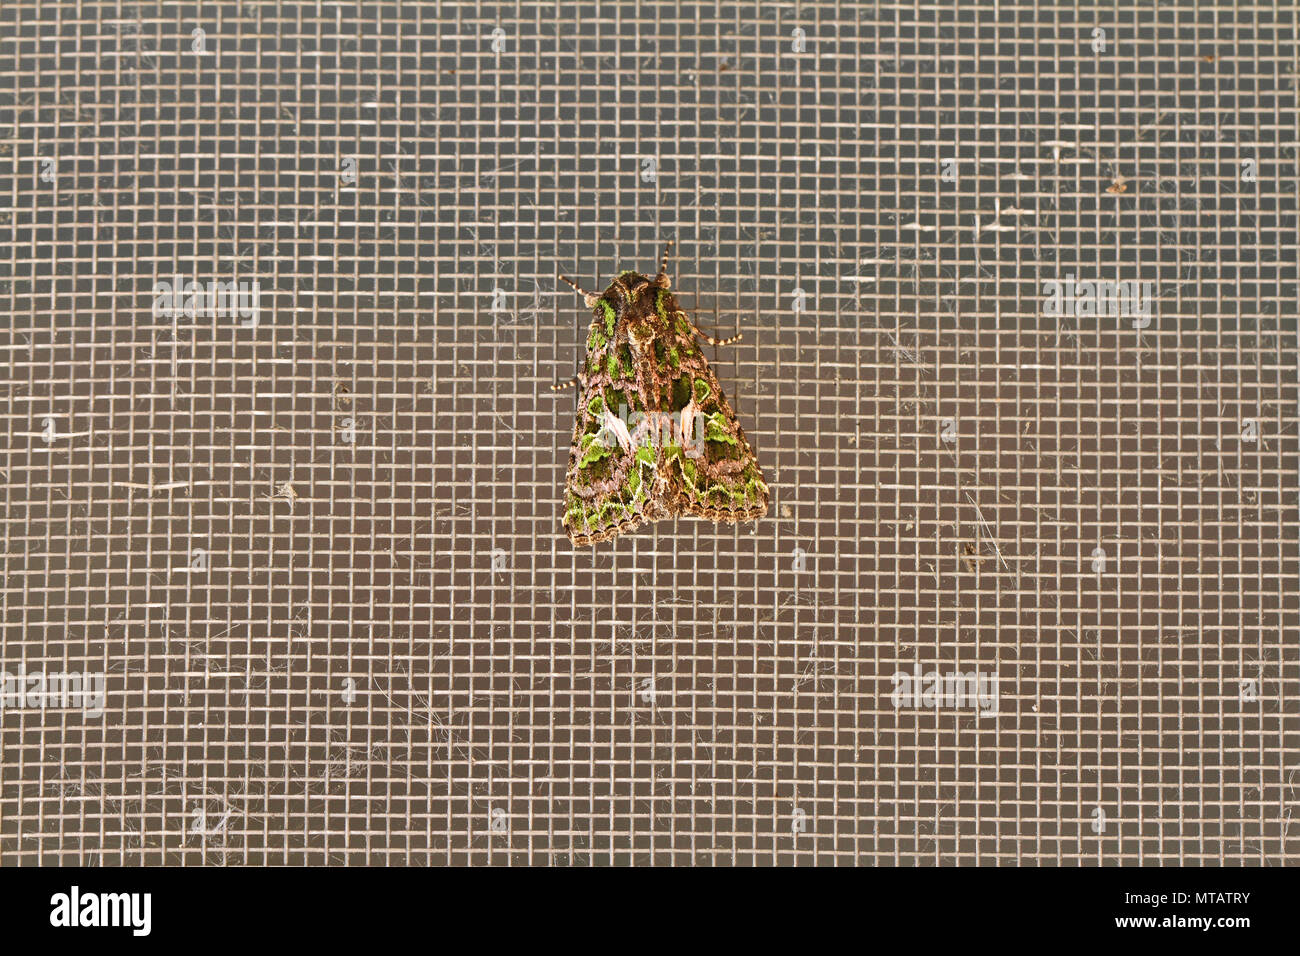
655, 436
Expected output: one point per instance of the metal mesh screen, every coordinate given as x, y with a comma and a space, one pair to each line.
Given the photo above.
312, 546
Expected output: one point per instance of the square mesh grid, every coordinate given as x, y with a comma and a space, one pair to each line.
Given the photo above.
317, 557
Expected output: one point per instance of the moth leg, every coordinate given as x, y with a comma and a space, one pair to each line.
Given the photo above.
710, 339
569, 384
589, 297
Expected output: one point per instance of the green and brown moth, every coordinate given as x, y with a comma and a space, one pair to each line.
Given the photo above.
655, 437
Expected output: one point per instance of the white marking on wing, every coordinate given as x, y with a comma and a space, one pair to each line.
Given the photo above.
619, 428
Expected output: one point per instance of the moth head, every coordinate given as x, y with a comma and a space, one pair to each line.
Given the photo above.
627, 290
661, 281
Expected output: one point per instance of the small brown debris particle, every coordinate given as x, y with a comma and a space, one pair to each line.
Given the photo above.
1208, 58
972, 557
1117, 187
285, 491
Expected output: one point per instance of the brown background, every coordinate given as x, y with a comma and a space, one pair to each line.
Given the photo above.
350, 680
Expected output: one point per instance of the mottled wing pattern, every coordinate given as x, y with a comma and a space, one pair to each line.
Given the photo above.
610, 486
718, 476
655, 435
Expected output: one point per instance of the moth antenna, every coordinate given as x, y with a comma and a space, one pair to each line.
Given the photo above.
561, 385
663, 265
590, 297
728, 341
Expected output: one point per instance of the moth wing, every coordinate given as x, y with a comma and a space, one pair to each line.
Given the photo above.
612, 484
718, 474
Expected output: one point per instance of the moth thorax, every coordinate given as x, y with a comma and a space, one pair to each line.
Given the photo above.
628, 290
640, 336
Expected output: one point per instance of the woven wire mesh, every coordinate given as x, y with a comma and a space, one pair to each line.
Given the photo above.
316, 552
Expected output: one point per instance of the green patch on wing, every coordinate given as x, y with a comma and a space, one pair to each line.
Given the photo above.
661, 305
635, 488
592, 450
575, 513
615, 399
715, 429
601, 332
